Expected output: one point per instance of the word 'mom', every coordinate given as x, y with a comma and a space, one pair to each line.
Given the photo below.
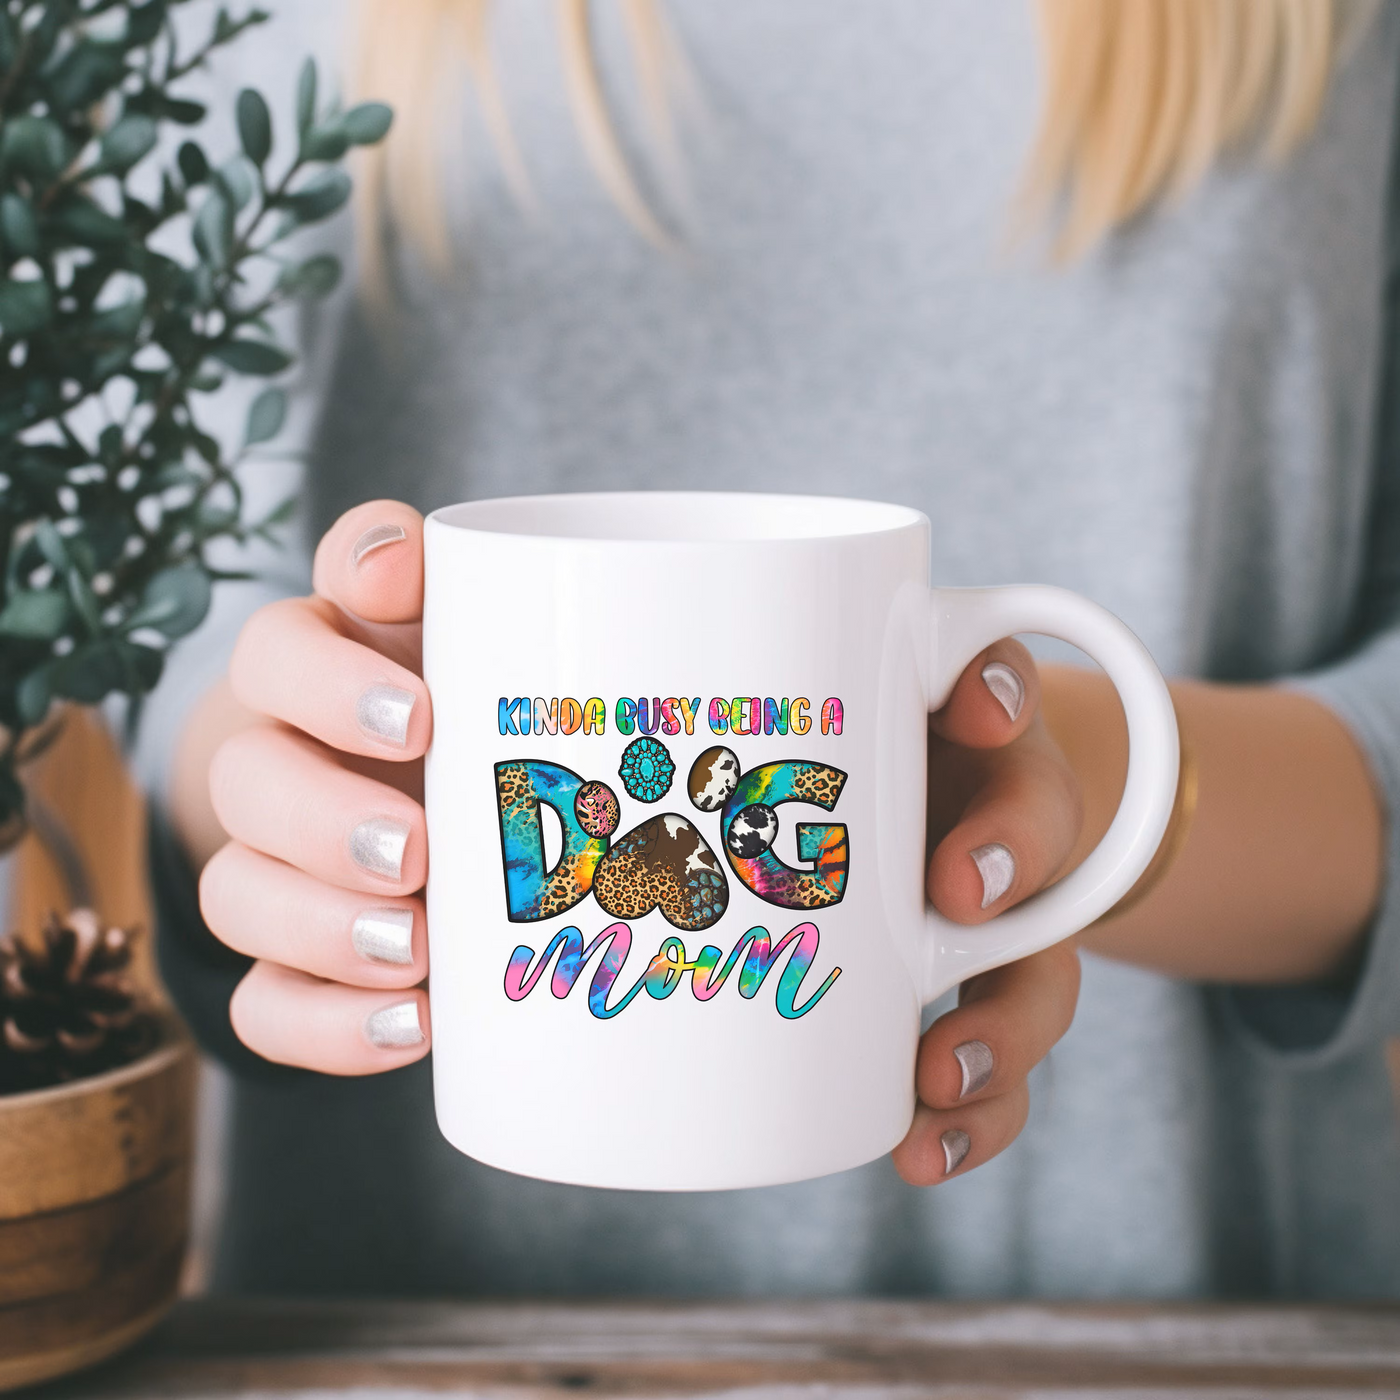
744, 714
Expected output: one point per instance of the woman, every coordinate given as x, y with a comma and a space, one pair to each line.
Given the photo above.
1174, 414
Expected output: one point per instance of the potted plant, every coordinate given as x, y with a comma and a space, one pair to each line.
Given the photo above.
111, 497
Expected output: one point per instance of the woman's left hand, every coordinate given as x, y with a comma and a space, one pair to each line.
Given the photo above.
1006, 810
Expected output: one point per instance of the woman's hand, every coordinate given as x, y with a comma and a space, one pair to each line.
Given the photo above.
1005, 810
321, 880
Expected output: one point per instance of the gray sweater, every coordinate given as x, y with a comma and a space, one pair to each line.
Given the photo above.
1183, 427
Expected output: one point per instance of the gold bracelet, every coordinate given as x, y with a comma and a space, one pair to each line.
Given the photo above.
1173, 839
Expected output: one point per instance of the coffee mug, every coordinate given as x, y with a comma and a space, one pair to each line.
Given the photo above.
676, 811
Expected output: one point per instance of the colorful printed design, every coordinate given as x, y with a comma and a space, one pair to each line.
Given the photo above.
753, 831
597, 809
646, 770
663, 864
532, 892
713, 777
666, 970
769, 786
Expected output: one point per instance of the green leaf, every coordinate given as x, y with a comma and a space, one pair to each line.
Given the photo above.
85, 223
367, 122
35, 145
194, 164
182, 110
325, 141
266, 416
18, 225
84, 601
32, 696
206, 446
254, 126
143, 664
143, 23
109, 446
87, 71
36, 615
203, 280
306, 97
175, 601
213, 229
119, 322
88, 674
125, 143
172, 197
252, 356
321, 196
237, 182
25, 307
51, 544
313, 278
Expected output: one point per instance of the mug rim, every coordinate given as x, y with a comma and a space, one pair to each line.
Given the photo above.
690, 517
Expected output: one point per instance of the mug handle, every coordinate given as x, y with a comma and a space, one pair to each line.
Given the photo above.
963, 622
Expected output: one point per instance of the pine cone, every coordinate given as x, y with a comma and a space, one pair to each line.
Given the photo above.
67, 1009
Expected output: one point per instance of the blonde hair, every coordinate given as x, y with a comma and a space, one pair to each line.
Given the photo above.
1141, 99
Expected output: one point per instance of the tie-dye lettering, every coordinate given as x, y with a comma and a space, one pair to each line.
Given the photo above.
532, 892
546, 716
595, 716
746, 816
668, 967
511, 714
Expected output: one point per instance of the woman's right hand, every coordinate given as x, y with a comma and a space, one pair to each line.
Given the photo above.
321, 881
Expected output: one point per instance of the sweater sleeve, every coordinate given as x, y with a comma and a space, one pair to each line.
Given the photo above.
1319, 1023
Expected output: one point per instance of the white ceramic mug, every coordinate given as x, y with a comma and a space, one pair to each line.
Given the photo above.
676, 798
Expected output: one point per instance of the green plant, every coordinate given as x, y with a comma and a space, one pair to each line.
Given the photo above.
110, 492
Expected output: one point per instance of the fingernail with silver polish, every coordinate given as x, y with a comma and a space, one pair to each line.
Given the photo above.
386, 936
376, 537
975, 1057
382, 712
1006, 685
378, 846
997, 867
394, 1027
956, 1146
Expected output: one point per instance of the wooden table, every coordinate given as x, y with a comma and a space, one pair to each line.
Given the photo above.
218, 1350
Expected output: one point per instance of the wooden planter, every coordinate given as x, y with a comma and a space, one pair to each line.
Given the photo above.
94, 1211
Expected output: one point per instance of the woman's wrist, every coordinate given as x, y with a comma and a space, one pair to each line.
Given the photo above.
1280, 872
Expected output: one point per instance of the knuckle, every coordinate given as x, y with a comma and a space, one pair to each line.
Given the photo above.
212, 888
241, 1007
235, 763
225, 769
255, 640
